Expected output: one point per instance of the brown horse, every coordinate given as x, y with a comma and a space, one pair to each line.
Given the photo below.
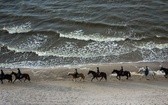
19, 77
80, 75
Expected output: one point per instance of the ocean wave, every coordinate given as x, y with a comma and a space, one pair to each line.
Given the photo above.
86, 23
38, 44
23, 28
93, 49
70, 49
79, 35
151, 45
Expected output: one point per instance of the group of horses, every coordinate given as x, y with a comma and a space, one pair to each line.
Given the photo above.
118, 73
17, 76
95, 75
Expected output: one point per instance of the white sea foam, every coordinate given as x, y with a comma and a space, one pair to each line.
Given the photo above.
31, 44
93, 49
152, 45
153, 52
18, 28
98, 48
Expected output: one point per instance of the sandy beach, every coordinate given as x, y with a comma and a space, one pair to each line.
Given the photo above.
54, 87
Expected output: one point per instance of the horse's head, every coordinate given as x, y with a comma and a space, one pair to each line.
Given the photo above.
70, 73
161, 68
89, 72
142, 69
114, 71
13, 73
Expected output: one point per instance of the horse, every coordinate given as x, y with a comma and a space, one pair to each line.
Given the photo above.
96, 75
8, 77
5, 76
80, 75
119, 74
142, 71
19, 77
165, 70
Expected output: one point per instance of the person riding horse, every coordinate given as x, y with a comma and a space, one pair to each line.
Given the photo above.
121, 71
98, 72
76, 73
2, 74
146, 71
19, 73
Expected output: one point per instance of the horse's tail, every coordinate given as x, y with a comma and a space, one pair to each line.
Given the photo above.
105, 76
28, 77
83, 76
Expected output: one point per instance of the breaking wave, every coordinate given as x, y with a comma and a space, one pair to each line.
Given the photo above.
23, 28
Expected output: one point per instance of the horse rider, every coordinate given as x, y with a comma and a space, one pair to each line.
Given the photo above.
76, 73
98, 72
19, 73
121, 71
2, 74
146, 71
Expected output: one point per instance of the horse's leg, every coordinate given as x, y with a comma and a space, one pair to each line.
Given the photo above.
80, 78
147, 77
153, 76
127, 77
20, 80
97, 78
83, 79
24, 79
119, 77
14, 80
92, 79
101, 78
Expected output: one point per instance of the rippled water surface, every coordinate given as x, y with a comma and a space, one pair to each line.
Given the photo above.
48, 33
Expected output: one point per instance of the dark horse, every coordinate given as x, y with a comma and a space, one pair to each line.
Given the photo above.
165, 70
19, 77
95, 75
119, 74
5, 76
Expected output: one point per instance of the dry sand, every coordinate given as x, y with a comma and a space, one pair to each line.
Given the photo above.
54, 87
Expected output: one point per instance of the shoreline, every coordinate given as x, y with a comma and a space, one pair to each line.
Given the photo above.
61, 72
54, 87
164, 63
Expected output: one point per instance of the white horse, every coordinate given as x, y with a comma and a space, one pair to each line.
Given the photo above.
142, 71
